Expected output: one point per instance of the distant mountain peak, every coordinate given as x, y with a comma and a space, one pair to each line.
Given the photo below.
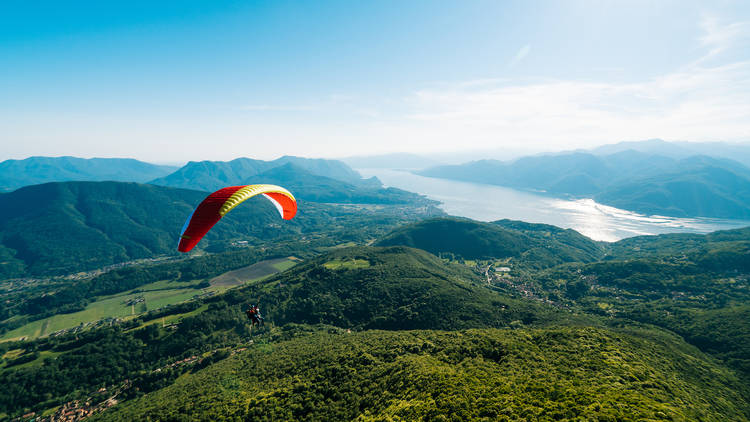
38, 169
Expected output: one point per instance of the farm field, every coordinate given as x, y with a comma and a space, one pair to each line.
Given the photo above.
147, 298
252, 272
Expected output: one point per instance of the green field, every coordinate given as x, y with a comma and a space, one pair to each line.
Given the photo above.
155, 295
252, 272
348, 264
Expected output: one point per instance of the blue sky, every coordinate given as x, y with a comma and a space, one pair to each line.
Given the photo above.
183, 80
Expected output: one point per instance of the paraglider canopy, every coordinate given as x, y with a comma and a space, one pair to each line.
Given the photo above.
219, 203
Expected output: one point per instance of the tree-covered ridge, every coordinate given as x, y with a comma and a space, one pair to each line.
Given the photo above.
679, 244
538, 245
700, 292
694, 285
59, 228
697, 186
547, 374
387, 288
15, 174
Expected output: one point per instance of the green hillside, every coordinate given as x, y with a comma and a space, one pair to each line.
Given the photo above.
387, 288
703, 192
75, 226
59, 228
35, 170
530, 244
550, 374
585, 354
694, 285
355, 288
676, 244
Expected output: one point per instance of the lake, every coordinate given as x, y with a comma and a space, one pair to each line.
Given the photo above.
490, 203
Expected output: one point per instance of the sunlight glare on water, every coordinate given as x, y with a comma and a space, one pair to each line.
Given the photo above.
491, 203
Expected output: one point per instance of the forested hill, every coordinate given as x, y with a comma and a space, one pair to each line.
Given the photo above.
58, 228
35, 170
574, 341
387, 288
548, 374
698, 186
539, 245
213, 175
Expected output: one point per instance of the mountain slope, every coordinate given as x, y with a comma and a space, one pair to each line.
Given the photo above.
386, 288
213, 175
35, 170
696, 186
537, 244
58, 228
551, 374
71, 226
702, 192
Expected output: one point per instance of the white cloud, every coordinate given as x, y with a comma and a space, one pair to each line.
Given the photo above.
701, 102
696, 104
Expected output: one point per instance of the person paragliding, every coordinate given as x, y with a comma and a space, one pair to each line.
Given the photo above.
219, 203
253, 314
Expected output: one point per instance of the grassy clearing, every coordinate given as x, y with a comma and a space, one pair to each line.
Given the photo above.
347, 264
173, 318
12, 354
253, 272
155, 295
109, 307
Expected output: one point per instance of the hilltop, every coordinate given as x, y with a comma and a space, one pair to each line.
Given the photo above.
533, 244
386, 288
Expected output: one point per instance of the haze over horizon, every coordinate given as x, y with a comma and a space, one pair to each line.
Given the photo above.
169, 83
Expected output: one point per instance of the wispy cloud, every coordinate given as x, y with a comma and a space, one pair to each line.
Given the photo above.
699, 101
719, 36
522, 53
697, 104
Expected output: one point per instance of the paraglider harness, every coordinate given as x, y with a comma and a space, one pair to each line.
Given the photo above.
253, 314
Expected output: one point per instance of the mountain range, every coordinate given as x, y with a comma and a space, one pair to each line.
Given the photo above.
35, 170
696, 186
677, 149
213, 175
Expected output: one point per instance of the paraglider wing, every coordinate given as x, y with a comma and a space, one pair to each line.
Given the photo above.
219, 203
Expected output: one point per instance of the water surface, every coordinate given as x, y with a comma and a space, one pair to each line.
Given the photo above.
490, 203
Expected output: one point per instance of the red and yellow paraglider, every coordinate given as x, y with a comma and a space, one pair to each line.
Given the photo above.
219, 203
